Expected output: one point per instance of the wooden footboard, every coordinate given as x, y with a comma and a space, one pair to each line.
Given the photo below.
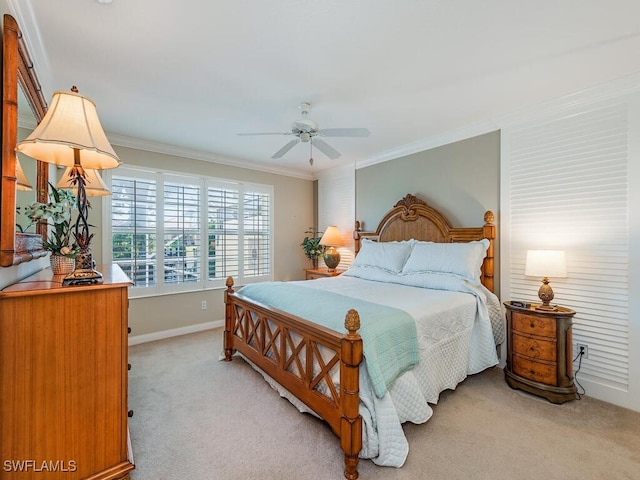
304, 358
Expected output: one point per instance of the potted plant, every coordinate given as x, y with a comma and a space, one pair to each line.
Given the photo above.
311, 245
57, 214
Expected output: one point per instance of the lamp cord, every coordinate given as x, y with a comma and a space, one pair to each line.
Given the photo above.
575, 376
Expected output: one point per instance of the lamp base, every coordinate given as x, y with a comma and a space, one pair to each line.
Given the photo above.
547, 308
83, 277
331, 258
84, 274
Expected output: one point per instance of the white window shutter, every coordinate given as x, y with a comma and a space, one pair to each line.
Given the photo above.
568, 189
336, 206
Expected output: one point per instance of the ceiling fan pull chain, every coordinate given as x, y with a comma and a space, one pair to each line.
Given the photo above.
311, 151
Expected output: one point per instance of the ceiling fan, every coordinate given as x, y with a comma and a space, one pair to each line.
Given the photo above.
307, 131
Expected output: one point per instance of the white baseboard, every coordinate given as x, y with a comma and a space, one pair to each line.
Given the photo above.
174, 332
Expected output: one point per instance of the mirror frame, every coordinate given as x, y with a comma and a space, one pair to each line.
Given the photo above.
17, 67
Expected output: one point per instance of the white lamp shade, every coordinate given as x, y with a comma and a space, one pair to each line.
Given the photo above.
546, 263
23, 181
71, 122
332, 237
94, 185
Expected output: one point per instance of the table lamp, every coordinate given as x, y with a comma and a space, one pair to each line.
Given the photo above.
70, 135
545, 264
331, 239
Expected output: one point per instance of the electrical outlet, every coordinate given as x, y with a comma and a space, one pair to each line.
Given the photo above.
204, 304
585, 350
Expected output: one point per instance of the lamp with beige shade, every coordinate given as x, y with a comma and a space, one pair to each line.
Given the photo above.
331, 239
70, 135
545, 264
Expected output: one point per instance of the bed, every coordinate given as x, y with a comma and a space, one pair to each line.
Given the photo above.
419, 316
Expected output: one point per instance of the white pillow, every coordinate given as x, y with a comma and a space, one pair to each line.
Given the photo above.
386, 255
464, 259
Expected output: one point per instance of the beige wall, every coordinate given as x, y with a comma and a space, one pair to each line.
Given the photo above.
461, 179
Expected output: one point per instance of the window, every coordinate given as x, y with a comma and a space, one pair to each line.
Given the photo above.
172, 233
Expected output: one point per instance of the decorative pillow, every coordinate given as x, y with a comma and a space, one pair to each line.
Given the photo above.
386, 255
464, 259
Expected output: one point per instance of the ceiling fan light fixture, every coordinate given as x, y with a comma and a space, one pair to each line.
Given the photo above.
306, 130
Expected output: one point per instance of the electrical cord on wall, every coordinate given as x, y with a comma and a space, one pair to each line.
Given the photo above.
575, 374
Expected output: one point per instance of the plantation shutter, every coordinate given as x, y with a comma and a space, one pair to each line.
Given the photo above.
257, 233
182, 240
568, 190
336, 206
223, 248
133, 230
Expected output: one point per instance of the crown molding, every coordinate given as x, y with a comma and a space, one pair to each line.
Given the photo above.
579, 100
23, 13
431, 142
565, 104
157, 147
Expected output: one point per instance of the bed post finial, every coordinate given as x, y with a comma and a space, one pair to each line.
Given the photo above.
489, 217
352, 322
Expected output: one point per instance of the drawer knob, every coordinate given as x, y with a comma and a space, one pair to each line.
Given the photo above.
532, 325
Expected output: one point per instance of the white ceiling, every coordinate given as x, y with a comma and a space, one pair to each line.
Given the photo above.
193, 74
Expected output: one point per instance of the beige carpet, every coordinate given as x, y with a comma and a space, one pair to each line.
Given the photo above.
198, 418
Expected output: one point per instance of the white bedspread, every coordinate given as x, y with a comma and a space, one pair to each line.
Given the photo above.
454, 341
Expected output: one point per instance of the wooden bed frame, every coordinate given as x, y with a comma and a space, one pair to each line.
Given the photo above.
287, 347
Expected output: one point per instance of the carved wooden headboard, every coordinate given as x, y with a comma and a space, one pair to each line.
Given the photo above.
413, 218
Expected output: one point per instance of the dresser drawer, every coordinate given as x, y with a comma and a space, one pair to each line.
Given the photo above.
537, 371
532, 324
535, 348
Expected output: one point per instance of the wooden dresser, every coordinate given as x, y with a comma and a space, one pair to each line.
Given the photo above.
63, 379
539, 352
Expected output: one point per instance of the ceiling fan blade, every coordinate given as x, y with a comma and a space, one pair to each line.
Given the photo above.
266, 133
344, 132
285, 149
325, 148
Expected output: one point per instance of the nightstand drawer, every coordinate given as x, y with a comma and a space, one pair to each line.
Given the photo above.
534, 347
543, 326
539, 372
313, 273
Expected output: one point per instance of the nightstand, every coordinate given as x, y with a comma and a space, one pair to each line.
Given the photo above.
539, 356
313, 273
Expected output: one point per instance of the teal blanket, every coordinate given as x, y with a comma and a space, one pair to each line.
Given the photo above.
388, 334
